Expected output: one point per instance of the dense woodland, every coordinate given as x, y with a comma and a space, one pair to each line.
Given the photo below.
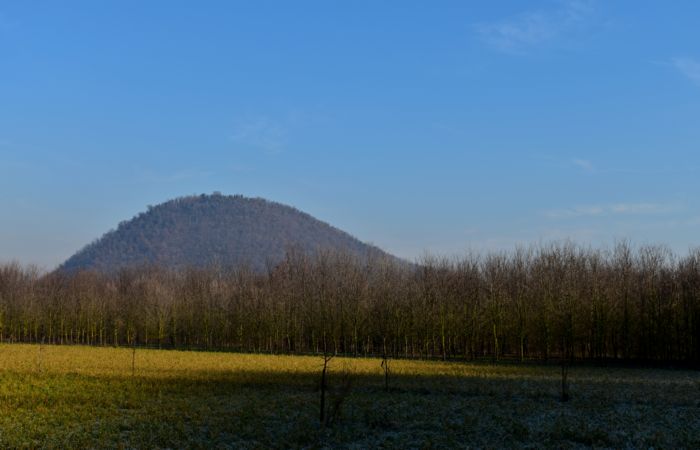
201, 230
547, 303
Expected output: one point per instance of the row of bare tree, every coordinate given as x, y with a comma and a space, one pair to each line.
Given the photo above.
551, 302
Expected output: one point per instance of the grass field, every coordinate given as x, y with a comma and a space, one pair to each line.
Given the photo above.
73, 397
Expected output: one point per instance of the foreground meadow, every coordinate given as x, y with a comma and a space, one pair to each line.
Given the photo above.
73, 397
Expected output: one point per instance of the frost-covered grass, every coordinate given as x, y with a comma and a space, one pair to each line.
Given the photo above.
73, 397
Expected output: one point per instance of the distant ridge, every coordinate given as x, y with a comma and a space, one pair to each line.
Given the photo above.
205, 230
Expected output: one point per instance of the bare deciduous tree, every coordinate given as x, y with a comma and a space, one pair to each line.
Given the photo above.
553, 302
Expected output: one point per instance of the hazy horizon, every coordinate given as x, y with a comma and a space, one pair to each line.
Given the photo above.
412, 127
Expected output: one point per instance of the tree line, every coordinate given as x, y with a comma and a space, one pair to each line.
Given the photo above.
552, 302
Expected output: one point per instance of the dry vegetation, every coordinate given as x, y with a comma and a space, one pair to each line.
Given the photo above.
75, 396
569, 308
552, 302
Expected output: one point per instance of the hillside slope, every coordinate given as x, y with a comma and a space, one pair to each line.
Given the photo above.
205, 230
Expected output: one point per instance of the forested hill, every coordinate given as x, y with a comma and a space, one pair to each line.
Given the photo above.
207, 230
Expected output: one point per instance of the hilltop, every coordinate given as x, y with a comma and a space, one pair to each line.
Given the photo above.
205, 230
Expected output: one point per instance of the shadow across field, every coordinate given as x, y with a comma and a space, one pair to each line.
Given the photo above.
176, 400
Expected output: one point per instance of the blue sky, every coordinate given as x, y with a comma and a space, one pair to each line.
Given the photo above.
418, 126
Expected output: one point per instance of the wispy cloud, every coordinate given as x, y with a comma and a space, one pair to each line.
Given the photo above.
665, 167
584, 164
642, 208
613, 209
688, 67
576, 211
271, 135
521, 32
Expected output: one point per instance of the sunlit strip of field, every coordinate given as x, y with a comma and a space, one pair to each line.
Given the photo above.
61, 396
